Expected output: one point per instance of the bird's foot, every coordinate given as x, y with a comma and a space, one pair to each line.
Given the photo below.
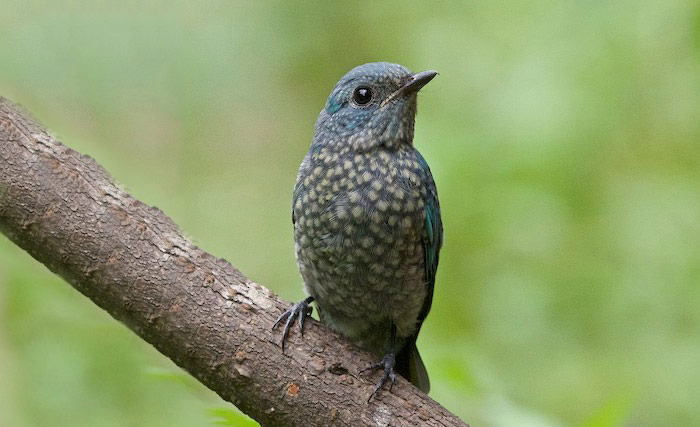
299, 311
387, 364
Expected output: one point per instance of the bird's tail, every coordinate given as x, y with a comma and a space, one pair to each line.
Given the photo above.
410, 365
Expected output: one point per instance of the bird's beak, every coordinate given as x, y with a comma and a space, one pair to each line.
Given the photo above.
414, 84
417, 81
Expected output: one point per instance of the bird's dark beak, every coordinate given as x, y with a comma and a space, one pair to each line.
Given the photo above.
414, 84
417, 81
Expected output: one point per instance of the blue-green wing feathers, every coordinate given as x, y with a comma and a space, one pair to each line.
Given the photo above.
432, 237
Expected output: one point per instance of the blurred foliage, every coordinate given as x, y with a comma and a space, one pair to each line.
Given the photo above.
564, 137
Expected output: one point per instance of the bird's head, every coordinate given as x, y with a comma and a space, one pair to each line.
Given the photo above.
374, 104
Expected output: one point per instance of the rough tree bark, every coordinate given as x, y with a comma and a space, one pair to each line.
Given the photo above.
133, 261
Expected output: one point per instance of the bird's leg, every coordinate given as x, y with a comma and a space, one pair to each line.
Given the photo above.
386, 364
300, 311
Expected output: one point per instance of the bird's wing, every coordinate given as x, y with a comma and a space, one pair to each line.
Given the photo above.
432, 238
299, 187
294, 201
295, 195
409, 363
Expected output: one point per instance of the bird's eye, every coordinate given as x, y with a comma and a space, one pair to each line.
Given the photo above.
362, 95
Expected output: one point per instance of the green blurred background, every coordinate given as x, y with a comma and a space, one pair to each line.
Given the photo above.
564, 137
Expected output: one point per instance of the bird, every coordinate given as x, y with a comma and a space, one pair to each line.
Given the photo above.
367, 223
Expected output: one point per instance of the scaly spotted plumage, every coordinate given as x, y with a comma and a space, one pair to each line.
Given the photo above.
366, 216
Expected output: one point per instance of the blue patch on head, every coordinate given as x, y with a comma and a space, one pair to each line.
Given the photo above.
333, 105
352, 122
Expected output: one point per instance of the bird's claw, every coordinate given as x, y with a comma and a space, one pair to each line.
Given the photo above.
387, 364
301, 310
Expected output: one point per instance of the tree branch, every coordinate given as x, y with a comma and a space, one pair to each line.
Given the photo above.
133, 261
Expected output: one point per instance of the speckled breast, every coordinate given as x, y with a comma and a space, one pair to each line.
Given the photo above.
358, 232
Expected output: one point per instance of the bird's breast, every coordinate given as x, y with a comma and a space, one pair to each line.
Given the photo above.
358, 230
360, 203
